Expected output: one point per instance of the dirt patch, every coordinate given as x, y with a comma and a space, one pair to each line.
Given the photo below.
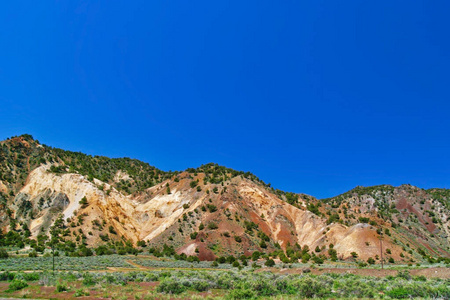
148, 284
136, 265
426, 221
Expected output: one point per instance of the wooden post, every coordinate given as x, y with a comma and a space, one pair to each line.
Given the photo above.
53, 254
381, 249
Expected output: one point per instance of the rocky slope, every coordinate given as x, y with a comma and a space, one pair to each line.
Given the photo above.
209, 211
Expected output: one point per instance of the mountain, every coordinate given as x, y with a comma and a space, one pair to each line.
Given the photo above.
116, 205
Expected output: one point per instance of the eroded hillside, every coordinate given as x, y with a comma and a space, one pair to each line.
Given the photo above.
206, 212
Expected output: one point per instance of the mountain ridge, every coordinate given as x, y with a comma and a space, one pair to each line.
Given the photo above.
208, 211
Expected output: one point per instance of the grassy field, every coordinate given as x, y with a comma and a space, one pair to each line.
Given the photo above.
145, 277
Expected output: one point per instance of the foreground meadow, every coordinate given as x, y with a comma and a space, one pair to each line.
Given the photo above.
140, 277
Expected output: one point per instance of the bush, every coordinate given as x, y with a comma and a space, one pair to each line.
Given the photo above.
200, 285
112, 230
60, 287
310, 287
420, 278
399, 293
245, 293
81, 293
212, 208
3, 253
362, 264
170, 286
270, 263
6, 276
88, 279
141, 244
318, 260
356, 289
83, 202
31, 276
212, 226
363, 220
404, 274
17, 284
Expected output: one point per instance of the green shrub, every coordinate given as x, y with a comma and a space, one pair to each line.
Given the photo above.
420, 278
3, 253
88, 279
6, 276
81, 293
404, 275
17, 284
362, 264
310, 287
112, 230
239, 293
212, 208
200, 285
61, 287
212, 226
31, 276
270, 263
399, 293
356, 288
171, 286
83, 202
318, 260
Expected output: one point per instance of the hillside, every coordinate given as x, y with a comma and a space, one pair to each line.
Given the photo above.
123, 205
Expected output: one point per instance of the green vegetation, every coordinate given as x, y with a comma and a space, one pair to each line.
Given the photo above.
16, 160
231, 284
3, 253
212, 226
441, 195
17, 284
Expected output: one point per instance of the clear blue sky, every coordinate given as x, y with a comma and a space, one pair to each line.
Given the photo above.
311, 96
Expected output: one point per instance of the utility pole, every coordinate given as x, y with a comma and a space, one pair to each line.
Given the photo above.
381, 248
53, 254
